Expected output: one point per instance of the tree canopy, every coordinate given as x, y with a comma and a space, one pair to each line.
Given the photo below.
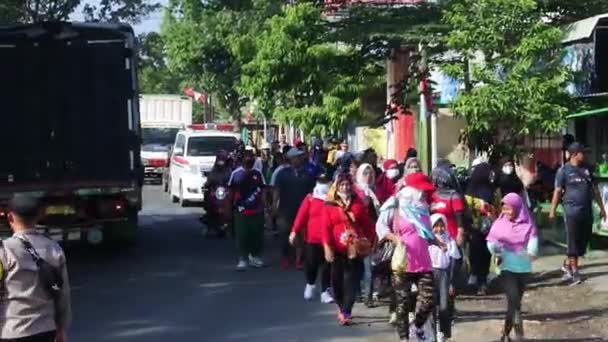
25, 11
517, 79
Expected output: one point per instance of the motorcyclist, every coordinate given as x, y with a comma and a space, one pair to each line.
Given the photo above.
218, 176
220, 173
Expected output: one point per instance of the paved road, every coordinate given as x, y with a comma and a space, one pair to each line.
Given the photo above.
176, 286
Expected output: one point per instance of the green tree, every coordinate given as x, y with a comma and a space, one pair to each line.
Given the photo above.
154, 74
209, 42
517, 80
567, 11
26, 11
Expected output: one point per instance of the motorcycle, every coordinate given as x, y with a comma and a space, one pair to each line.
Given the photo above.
218, 211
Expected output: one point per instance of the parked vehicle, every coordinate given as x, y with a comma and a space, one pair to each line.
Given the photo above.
162, 116
71, 127
192, 158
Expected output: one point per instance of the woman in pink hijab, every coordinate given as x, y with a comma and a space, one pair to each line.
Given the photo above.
513, 239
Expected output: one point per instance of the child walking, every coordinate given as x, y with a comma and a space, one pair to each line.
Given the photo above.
514, 240
444, 262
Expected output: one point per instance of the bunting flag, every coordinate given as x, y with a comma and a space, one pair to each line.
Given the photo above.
198, 97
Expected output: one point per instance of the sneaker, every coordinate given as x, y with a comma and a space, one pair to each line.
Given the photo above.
255, 262
393, 319
309, 292
326, 297
414, 288
242, 265
472, 280
576, 279
567, 273
420, 335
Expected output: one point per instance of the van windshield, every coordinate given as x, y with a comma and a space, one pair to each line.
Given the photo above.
209, 146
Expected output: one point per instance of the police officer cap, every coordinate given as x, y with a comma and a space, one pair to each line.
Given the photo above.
577, 147
25, 205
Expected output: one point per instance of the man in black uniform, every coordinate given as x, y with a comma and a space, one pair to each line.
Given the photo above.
575, 186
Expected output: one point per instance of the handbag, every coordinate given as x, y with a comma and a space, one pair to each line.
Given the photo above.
50, 276
399, 259
381, 258
358, 247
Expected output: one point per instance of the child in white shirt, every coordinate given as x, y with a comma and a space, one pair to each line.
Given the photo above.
444, 261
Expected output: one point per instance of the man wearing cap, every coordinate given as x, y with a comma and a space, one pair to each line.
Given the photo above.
575, 186
35, 307
291, 186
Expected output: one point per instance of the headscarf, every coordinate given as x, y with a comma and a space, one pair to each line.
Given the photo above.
444, 179
480, 185
509, 183
332, 196
365, 188
320, 191
385, 186
439, 217
414, 208
317, 150
389, 164
408, 163
513, 235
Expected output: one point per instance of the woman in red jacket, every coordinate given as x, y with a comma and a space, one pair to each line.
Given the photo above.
346, 223
310, 219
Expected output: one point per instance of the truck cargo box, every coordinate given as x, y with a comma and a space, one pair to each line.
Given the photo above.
69, 106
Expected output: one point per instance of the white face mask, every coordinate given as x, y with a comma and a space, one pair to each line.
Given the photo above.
392, 173
508, 170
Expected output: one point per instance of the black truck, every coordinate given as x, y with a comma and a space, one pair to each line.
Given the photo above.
70, 128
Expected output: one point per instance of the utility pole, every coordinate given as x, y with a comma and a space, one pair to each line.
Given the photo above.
423, 138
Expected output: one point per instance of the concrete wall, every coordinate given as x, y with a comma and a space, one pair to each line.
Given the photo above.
448, 132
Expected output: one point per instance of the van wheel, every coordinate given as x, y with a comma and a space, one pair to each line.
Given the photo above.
182, 202
174, 198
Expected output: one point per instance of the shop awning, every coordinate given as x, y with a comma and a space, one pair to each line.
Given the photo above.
583, 29
599, 111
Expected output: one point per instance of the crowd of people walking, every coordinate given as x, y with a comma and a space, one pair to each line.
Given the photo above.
370, 229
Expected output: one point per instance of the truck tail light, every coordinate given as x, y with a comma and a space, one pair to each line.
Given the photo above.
157, 162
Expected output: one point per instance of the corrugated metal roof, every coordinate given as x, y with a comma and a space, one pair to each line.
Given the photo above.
582, 29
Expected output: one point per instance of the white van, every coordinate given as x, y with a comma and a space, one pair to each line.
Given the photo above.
193, 156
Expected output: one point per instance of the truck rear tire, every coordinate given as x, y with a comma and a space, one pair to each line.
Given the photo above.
123, 233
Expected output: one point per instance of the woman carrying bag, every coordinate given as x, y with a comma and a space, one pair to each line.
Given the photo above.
365, 189
348, 235
405, 220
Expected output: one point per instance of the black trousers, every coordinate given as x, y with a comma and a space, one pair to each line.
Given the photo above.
285, 223
480, 257
579, 229
514, 285
315, 264
43, 337
344, 278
